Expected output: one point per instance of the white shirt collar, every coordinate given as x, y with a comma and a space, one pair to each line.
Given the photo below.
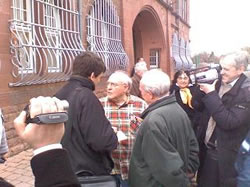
233, 82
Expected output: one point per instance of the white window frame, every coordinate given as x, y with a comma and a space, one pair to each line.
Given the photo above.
154, 59
46, 35
104, 35
52, 27
22, 14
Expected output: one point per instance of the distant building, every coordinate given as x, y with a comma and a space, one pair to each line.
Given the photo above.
40, 38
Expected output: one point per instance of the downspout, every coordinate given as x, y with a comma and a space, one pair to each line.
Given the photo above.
168, 46
80, 18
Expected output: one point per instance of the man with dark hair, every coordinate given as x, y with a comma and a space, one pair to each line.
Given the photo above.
89, 137
92, 64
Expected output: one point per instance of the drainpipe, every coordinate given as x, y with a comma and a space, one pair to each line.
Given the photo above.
80, 18
168, 46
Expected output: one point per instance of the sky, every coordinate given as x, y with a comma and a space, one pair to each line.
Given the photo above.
221, 26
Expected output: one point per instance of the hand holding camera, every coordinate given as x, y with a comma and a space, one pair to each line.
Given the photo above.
207, 88
41, 135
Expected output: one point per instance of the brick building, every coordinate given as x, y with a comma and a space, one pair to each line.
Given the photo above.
40, 38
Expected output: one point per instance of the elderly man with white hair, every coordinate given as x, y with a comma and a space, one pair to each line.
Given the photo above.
140, 68
122, 110
166, 150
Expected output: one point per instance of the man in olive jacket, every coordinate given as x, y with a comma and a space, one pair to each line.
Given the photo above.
166, 150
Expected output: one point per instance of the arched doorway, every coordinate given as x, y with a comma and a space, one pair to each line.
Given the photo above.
148, 38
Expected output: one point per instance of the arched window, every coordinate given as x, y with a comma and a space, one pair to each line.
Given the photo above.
188, 55
185, 63
176, 52
45, 38
104, 35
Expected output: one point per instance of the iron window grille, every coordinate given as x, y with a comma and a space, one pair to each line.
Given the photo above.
45, 38
176, 52
104, 35
185, 63
188, 55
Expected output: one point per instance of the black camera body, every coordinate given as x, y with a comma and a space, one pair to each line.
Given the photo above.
205, 74
47, 118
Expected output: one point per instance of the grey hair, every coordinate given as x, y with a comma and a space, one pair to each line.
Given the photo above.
141, 66
122, 77
156, 82
237, 59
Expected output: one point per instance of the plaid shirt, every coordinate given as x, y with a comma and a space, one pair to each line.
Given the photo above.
124, 119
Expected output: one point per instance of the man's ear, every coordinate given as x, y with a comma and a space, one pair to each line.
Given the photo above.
151, 95
92, 76
242, 68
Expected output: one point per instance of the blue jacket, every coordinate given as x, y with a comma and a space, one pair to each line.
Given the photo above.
242, 164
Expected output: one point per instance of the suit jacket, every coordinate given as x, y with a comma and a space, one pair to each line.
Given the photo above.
52, 168
232, 116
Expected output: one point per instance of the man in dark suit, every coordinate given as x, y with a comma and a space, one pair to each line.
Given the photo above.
50, 164
224, 122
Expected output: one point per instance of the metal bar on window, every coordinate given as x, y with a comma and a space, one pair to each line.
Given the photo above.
45, 38
176, 52
104, 35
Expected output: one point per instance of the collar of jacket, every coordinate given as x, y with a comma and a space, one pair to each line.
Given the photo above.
125, 104
159, 103
136, 77
234, 90
84, 82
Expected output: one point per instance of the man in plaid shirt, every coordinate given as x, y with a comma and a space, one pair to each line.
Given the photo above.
123, 111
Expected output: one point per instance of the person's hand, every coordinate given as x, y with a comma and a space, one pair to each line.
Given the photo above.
207, 88
40, 135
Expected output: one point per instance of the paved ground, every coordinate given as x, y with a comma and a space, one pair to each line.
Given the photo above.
17, 171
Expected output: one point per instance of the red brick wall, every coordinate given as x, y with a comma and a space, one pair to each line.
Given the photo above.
158, 35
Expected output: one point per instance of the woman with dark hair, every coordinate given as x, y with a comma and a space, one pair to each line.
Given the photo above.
184, 91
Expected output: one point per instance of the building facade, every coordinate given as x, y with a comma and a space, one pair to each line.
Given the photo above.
40, 38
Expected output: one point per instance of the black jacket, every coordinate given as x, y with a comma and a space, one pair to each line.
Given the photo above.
232, 116
52, 168
89, 137
193, 113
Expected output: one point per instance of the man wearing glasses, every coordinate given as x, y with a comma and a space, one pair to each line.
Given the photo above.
122, 110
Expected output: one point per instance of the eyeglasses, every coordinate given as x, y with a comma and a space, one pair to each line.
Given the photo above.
111, 84
183, 78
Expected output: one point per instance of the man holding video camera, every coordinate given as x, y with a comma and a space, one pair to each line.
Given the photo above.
224, 121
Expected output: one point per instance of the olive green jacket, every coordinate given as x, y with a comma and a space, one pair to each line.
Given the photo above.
165, 148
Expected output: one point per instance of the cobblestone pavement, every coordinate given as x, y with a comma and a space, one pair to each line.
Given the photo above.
17, 170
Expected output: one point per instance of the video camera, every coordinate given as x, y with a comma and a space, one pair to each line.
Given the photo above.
47, 118
205, 74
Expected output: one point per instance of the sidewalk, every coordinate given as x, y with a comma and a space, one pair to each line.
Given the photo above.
17, 170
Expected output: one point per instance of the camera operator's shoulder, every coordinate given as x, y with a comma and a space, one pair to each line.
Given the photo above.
246, 83
246, 89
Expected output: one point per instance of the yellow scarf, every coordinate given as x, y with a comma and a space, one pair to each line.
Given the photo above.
186, 96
